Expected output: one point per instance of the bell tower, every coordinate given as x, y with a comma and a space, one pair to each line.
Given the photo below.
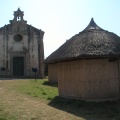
18, 15
18, 23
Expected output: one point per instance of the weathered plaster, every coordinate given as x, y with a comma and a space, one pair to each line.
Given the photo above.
30, 47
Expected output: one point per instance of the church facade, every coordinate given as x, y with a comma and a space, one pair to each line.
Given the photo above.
21, 48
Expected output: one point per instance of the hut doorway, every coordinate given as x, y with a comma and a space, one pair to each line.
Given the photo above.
18, 66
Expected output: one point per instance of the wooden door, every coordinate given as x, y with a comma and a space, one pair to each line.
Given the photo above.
18, 66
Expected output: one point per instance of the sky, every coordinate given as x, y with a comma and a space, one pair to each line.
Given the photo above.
62, 19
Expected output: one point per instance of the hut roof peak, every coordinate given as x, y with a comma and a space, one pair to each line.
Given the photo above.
92, 42
92, 26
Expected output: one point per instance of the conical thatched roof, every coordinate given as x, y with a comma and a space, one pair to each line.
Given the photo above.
92, 25
92, 42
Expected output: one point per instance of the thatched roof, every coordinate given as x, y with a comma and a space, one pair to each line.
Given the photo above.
92, 42
92, 25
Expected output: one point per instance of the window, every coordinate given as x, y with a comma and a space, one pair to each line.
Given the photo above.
18, 38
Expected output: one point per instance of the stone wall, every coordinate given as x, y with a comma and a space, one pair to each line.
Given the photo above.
18, 39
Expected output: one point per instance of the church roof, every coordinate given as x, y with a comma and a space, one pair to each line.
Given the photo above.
92, 42
19, 13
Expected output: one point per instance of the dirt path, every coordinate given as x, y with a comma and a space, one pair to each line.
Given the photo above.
23, 107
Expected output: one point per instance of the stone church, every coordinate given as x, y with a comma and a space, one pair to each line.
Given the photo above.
21, 48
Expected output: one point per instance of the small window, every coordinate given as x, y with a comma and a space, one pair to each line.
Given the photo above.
18, 38
18, 18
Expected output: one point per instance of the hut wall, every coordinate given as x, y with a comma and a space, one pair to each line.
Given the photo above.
88, 79
52, 73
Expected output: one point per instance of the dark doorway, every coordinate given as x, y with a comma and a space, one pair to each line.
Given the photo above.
18, 66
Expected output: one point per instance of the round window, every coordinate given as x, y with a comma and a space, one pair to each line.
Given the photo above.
18, 38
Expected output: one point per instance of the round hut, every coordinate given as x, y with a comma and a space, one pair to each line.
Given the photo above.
87, 66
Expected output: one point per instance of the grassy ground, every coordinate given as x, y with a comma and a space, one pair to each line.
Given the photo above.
39, 88
38, 100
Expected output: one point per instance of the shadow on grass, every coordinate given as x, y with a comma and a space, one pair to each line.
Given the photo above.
88, 110
50, 84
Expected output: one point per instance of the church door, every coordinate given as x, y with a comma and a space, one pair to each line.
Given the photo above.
18, 66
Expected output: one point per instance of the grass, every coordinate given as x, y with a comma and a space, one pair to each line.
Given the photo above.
4, 115
42, 90
39, 89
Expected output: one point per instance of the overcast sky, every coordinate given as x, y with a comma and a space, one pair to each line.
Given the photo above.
62, 19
